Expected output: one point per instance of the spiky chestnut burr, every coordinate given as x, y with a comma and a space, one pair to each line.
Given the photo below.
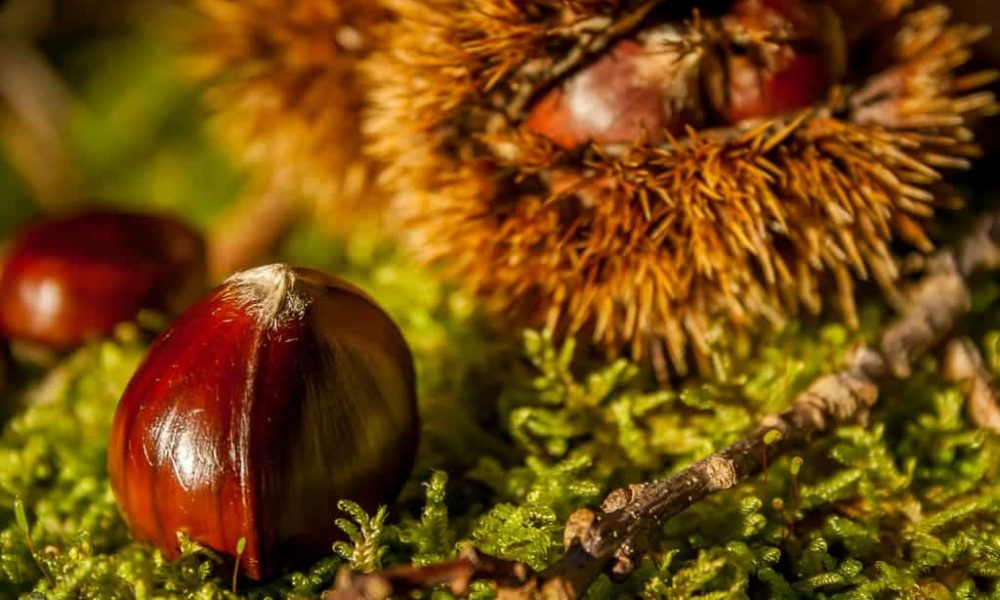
69, 278
283, 87
281, 392
988, 13
733, 212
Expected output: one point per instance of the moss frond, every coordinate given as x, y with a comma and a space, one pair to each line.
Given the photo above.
905, 506
364, 550
431, 538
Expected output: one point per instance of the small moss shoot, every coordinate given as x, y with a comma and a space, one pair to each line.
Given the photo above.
241, 546
22, 521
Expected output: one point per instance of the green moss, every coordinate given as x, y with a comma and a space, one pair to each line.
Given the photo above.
430, 539
364, 549
905, 505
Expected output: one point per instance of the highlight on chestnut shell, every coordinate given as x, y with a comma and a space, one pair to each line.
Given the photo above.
69, 278
280, 393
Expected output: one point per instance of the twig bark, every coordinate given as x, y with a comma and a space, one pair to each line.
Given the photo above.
935, 303
610, 540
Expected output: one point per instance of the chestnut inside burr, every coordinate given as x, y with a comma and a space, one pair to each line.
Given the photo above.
754, 59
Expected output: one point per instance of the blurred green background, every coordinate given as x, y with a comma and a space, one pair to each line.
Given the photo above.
95, 107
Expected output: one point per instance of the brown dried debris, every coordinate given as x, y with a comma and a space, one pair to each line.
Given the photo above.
456, 575
963, 364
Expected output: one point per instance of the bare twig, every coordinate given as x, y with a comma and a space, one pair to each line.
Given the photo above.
616, 535
613, 538
963, 364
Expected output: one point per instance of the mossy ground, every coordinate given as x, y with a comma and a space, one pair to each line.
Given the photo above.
517, 431
518, 436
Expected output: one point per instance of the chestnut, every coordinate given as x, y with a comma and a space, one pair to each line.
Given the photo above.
69, 278
639, 87
281, 392
763, 58
789, 75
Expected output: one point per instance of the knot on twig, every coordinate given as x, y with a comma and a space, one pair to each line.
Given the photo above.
578, 525
720, 473
620, 498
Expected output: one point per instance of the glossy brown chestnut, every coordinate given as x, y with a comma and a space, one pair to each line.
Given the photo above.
767, 57
69, 278
640, 87
281, 392
803, 60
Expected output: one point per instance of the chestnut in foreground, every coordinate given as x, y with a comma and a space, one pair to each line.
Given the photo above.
278, 394
70, 278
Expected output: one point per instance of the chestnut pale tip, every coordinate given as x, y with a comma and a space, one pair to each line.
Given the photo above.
280, 393
268, 290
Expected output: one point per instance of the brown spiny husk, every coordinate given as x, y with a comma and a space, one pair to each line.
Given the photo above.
662, 246
284, 87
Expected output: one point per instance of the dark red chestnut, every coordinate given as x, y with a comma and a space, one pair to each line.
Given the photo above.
763, 58
281, 392
756, 93
69, 278
794, 54
639, 87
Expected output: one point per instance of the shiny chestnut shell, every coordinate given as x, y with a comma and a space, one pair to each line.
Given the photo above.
803, 68
278, 394
648, 86
69, 278
639, 87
